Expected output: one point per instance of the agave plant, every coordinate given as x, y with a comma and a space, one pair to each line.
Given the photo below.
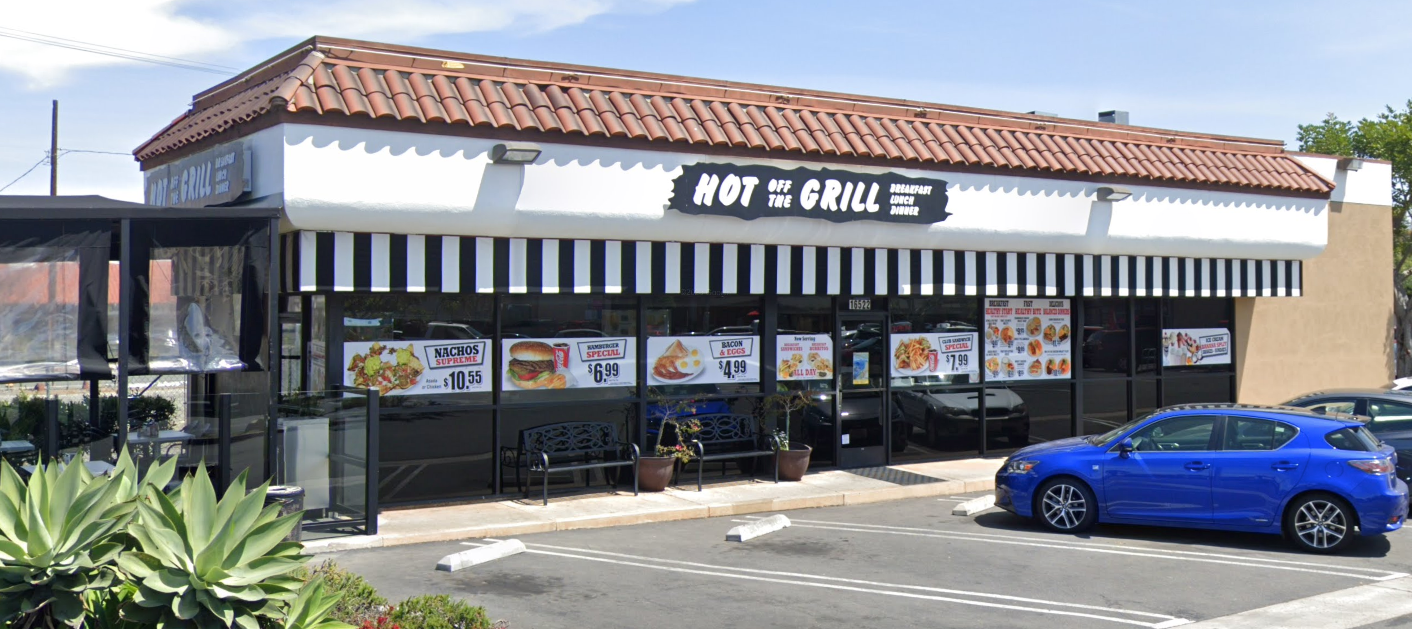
310, 610
60, 537
203, 563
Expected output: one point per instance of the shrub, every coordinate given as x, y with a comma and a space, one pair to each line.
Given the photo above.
438, 612
359, 601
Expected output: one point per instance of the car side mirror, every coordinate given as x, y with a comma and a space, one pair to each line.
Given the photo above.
1125, 448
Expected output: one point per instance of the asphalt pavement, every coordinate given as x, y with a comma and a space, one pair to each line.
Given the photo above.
898, 564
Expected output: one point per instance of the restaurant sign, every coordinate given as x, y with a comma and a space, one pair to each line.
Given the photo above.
219, 175
751, 191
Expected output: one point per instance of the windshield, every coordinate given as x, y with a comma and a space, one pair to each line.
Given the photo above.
1108, 437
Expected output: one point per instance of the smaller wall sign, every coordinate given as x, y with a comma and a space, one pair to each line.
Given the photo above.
569, 363
1185, 347
703, 359
804, 357
418, 367
860, 304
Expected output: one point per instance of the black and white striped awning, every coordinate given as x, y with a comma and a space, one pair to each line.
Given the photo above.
342, 261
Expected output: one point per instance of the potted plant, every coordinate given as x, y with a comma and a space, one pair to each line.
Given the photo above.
793, 458
655, 472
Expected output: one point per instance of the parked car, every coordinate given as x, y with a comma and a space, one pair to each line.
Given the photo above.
951, 417
1314, 477
1389, 413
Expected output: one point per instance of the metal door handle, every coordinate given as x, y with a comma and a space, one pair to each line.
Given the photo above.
1197, 466
1284, 466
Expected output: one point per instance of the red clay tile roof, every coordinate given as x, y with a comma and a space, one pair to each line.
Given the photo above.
342, 78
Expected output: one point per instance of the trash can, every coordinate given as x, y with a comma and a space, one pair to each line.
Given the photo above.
290, 500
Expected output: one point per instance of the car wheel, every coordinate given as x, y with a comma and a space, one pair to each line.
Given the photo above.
1319, 523
1065, 505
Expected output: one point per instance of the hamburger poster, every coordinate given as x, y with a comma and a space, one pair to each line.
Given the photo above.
703, 359
418, 367
569, 363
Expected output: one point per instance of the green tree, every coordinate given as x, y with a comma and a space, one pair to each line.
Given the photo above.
1387, 137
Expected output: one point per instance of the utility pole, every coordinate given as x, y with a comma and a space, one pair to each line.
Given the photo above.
54, 152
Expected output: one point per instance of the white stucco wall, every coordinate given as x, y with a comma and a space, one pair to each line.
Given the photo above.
379, 181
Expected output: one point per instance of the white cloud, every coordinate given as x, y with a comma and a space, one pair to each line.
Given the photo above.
185, 29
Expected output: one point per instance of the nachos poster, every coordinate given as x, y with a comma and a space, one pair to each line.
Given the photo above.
703, 359
418, 367
804, 356
1028, 339
569, 363
1185, 347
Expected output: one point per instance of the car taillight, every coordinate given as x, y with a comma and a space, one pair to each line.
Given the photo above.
1379, 466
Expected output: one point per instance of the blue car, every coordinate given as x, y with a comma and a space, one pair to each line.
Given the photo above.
1314, 477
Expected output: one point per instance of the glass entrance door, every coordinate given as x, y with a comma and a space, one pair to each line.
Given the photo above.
863, 401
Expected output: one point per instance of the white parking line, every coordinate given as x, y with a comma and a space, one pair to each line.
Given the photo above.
1180, 555
1123, 616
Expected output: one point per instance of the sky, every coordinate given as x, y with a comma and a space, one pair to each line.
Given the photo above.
1255, 68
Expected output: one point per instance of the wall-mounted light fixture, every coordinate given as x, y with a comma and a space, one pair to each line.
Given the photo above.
1113, 193
1350, 163
515, 153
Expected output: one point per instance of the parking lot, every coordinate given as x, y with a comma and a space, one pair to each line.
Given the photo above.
897, 564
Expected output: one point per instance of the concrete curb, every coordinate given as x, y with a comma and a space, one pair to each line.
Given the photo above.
757, 528
676, 507
480, 555
974, 506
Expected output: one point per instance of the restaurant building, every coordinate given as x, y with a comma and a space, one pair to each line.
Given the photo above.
499, 244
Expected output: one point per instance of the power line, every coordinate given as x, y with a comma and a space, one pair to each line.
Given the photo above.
120, 53
63, 152
27, 172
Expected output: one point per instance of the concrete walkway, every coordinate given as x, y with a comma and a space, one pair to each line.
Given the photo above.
821, 489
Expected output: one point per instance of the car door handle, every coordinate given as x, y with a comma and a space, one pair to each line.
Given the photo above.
1284, 466
1197, 466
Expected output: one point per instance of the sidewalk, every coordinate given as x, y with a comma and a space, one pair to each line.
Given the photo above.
829, 488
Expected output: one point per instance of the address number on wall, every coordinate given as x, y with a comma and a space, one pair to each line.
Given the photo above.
860, 304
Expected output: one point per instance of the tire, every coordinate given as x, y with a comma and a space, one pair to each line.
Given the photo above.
1319, 523
1065, 505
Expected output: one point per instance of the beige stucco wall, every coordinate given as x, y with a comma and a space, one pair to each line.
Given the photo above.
1339, 333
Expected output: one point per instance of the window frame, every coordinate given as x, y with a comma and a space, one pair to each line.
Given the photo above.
1217, 430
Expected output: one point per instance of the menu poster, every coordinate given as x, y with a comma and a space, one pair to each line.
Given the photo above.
418, 367
1027, 339
569, 363
1184, 347
703, 359
921, 355
804, 356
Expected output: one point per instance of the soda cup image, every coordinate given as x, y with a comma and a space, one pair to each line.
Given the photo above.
933, 361
561, 355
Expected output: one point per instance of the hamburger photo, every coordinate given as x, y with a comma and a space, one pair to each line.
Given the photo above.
532, 366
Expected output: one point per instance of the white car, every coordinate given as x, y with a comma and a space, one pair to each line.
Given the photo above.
1402, 384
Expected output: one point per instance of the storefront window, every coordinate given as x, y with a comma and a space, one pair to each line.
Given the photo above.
1144, 396
1214, 389
805, 329
399, 343
440, 455
1022, 415
1196, 324
1107, 342
940, 315
1105, 406
940, 421
1148, 335
682, 325
558, 348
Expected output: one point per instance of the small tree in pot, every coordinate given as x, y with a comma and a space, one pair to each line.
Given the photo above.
673, 435
793, 458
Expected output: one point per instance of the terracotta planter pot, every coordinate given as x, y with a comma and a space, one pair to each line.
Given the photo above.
794, 462
655, 472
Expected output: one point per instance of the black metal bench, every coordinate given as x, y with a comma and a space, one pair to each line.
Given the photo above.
737, 436
570, 446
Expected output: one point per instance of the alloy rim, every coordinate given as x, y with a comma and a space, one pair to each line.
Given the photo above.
1064, 506
1320, 524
